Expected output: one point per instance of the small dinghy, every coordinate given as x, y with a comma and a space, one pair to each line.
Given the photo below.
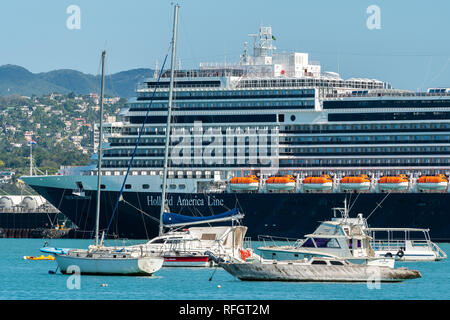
316, 270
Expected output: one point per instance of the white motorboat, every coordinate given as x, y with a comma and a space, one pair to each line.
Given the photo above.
316, 270
343, 238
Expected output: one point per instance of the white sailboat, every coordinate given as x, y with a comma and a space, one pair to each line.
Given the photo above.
181, 247
178, 248
100, 259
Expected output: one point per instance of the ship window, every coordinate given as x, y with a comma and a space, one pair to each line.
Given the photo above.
145, 186
128, 186
336, 263
102, 186
319, 262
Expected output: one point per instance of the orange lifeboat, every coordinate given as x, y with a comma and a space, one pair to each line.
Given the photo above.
284, 183
399, 182
322, 183
249, 183
433, 183
355, 183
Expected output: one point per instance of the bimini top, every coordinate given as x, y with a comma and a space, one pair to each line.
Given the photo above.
174, 220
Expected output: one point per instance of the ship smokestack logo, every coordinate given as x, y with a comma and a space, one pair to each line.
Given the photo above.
211, 146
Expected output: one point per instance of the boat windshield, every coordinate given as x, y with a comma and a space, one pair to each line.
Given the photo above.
321, 243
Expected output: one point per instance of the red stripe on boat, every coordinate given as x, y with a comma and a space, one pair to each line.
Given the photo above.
186, 259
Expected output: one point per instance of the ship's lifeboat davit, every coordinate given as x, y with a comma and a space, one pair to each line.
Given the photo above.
394, 183
249, 183
321, 183
355, 183
432, 183
284, 183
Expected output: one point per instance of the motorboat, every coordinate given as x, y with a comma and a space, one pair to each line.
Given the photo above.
405, 244
248, 183
393, 183
322, 183
283, 183
355, 183
316, 269
343, 238
432, 183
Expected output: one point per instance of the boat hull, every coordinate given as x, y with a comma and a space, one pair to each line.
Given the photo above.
410, 256
432, 186
315, 273
279, 214
355, 186
244, 186
281, 186
128, 266
394, 186
186, 261
318, 186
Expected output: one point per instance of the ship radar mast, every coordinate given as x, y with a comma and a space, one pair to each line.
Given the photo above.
264, 47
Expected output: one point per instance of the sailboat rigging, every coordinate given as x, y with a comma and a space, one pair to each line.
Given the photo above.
99, 259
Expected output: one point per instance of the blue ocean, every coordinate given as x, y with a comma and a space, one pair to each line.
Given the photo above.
30, 280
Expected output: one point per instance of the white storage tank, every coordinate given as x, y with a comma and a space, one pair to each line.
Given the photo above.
6, 202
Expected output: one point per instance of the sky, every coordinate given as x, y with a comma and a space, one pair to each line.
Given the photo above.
408, 46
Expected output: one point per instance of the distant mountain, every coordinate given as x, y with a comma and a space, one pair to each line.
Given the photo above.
18, 80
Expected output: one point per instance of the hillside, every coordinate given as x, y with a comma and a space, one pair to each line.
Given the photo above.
18, 80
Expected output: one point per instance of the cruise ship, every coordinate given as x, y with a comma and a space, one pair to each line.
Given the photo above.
275, 136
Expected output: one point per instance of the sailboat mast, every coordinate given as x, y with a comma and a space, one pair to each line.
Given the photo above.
100, 151
169, 118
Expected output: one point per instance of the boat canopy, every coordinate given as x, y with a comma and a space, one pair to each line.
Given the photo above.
174, 220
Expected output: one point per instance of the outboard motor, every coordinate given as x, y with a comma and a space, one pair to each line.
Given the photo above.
212, 257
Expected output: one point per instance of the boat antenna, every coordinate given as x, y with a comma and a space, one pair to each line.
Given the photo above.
169, 118
100, 150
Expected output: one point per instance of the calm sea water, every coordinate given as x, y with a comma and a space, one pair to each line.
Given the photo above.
30, 280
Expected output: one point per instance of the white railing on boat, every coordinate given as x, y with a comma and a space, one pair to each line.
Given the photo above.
274, 241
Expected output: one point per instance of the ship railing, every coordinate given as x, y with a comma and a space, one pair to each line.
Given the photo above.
275, 241
439, 252
384, 94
